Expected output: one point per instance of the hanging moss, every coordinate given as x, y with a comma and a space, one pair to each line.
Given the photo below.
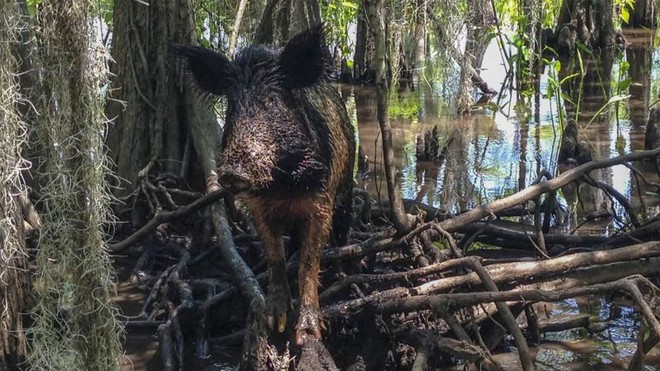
14, 277
75, 325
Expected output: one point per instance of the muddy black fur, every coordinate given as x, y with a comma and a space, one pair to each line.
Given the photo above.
288, 150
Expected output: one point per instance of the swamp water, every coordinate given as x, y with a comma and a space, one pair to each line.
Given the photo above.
495, 153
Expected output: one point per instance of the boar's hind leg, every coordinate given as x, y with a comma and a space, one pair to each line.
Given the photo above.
313, 237
279, 296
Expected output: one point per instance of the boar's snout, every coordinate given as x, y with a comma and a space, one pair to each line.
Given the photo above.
232, 180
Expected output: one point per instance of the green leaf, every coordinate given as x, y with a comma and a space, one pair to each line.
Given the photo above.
569, 77
558, 66
624, 84
624, 66
349, 4
625, 14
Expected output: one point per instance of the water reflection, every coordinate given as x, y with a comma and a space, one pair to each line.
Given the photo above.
491, 154
609, 343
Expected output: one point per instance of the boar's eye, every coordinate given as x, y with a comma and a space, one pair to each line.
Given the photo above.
212, 72
305, 60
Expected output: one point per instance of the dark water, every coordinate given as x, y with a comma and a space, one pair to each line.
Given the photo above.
494, 153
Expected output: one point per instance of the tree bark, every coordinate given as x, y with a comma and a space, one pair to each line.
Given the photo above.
282, 19
375, 10
590, 23
640, 57
642, 14
418, 55
152, 118
363, 69
237, 26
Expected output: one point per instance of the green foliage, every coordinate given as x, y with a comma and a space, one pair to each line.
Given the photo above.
210, 23
407, 106
440, 245
105, 10
32, 6
550, 13
510, 12
625, 6
623, 82
338, 14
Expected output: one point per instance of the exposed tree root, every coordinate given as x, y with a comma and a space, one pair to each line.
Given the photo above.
414, 304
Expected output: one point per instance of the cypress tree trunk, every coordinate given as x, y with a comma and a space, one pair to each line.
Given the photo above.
640, 57
282, 19
589, 22
14, 273
375, 11
75, 325
419, 49
642, 14
152, 117
363, 69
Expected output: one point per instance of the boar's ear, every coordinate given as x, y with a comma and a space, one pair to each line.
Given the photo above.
305, 59
212, 71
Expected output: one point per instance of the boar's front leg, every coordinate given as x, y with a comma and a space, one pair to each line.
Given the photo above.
279, 296
313, 234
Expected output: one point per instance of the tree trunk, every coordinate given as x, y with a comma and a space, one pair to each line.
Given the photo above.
375, 10
237, 26
481, 18
640, 57
363, 69
419, 50
642, 14
590, 23
14, 272
264, 33
591, 92
282, 19
150, 133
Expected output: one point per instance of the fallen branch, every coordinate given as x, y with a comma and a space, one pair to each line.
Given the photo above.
536, 190
406, 276
163, 216
574, 321
444, 301
506, 272
525, 270
507, 316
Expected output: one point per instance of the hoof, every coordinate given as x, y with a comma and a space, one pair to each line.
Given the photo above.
310, 323
277, 307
